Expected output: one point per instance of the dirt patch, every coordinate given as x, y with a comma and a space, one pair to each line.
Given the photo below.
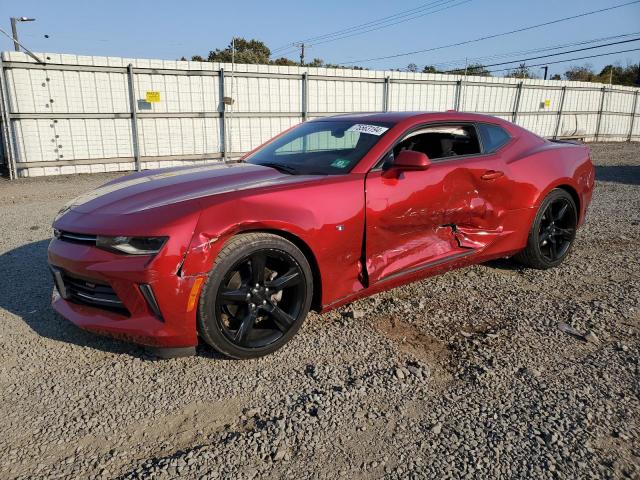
419, 345
162, 436
197, 419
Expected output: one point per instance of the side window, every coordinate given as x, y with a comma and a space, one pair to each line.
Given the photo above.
493, 137
441, 142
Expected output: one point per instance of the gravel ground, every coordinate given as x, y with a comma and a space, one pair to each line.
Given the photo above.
471, 374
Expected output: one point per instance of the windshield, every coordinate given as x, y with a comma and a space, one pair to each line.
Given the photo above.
320, 148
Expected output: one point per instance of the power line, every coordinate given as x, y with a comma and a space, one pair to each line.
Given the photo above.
554, 54
569, 60
369, 24
462, 2
495, 35
290, 50
470, 60
364, 25
362, 29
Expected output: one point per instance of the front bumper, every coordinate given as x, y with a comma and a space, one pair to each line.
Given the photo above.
106, 298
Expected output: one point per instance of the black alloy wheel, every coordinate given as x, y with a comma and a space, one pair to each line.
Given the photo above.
260, 298
552, 233
257, 296
557, 229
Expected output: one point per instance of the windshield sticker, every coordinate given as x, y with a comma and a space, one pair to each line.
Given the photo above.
340, 163
370, 129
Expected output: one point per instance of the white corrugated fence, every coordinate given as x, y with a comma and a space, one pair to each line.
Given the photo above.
80, 114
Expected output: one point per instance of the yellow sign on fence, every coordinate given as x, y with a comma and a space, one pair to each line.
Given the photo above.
153, 97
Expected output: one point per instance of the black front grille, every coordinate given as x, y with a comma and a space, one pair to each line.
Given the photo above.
76, 237
89, 292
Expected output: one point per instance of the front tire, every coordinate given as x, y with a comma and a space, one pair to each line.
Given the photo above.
552, 233
256, 297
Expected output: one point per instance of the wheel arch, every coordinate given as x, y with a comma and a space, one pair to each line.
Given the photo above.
570, 189
541, 195
563, 184
316, 302
574, 194
532, 254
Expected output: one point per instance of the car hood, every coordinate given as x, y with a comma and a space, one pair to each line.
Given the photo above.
157, 188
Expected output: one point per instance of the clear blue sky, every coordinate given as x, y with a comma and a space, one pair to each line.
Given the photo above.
170, 29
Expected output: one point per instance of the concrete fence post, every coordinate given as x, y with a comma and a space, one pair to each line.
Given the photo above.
223, 118
599, 121
385, 93
516, 103
560, 108
7, 131
456, 107
305, 96
633, 115
134, 117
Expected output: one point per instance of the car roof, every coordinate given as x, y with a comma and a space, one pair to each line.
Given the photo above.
418, 117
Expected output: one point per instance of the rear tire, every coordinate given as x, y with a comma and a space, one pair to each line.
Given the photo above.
552, 232
256, 297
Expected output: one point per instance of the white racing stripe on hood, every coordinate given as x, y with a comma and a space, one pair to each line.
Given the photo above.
226, 189
119, 185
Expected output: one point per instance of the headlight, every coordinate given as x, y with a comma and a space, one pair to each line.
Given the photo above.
131, 245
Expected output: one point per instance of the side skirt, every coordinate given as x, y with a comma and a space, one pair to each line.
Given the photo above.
427, 265
411, 275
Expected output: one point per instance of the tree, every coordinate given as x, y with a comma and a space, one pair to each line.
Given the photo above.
412, 67
246, 51
556, 76
429, 69
257, 52
284, 61
472, 69
478, 69
316, 62
610, 74
352, 67
582, 73
521, 71
616, 74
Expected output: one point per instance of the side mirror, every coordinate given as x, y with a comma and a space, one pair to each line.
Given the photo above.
411, 160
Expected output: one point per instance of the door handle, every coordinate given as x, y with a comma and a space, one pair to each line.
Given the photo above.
491, 175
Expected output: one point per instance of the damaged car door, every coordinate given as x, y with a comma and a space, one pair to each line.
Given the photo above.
449, 209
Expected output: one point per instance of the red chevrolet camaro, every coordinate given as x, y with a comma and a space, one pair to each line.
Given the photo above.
329, 211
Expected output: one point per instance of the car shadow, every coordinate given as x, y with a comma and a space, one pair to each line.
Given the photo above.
627, 174
507, 264
26, 283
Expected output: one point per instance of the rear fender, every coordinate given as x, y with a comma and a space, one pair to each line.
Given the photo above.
557, 165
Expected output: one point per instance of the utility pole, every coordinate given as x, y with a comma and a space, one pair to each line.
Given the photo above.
14, 34
546, 71
14, 30
301, 47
